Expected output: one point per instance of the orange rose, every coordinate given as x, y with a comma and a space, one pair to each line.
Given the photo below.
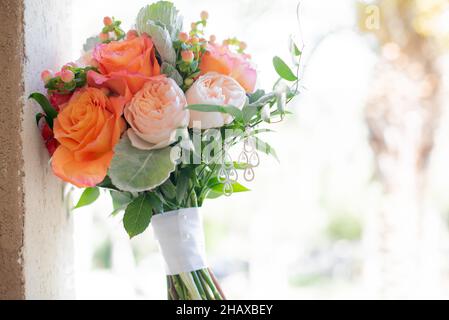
221, 60
125, 66
88, 128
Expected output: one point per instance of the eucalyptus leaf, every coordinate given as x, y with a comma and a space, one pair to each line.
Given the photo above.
89, 196
163, 13
136, 170
138, 215
283, 69
172, 72
120, 200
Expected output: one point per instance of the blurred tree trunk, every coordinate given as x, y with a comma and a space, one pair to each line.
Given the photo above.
401, 113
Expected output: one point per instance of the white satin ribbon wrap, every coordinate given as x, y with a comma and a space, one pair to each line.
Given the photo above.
180, 236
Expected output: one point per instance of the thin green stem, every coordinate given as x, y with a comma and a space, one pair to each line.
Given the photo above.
198, 285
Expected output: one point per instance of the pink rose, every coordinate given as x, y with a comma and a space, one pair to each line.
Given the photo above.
215, 89
155, 112
218, 58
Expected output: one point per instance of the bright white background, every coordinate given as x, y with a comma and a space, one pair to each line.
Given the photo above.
302, 233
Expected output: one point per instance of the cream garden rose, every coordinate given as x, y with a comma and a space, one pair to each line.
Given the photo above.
155, 112
215, 89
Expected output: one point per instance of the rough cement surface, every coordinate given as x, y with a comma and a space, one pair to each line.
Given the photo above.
11, 164
36, 236
48, 233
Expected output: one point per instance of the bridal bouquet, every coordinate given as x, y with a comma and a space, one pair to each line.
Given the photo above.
150, 116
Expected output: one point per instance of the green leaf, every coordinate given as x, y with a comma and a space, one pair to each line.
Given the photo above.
107, 184
138, 215
136, 170
295, 50
182, 184
172, 72
263, 100
253, 97
89, 196
120, 200
283, 69
163, 13
249, 112
216, 189
162, 41
231, 110
168, 189
266, 148
39, 116
50, 112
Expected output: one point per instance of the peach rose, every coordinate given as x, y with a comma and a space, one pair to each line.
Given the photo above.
124, 66
216, 89
87, 129
218, 58
155, 112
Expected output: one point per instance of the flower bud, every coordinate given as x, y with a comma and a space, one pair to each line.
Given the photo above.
131, 34
204, 15
183, 37
212, 39
67, 76
193, 26
187, 56
242, 46
107, 21
46, 75
188, 82
104, 37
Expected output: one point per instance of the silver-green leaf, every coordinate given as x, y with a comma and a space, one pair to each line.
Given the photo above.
136, 170
171, 72
163, 13
162, 41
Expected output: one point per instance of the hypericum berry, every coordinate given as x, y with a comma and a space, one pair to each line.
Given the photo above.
188, 82
194, 40
187, 56
104, 37
212, 38
67, 76
183, 37
193, 25
46, 75
226, 42
107, 21
242, 46
132, 34
204, 15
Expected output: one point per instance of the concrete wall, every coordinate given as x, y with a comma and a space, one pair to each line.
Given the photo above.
35, 226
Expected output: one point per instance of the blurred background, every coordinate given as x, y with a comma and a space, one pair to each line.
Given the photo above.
358, 208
